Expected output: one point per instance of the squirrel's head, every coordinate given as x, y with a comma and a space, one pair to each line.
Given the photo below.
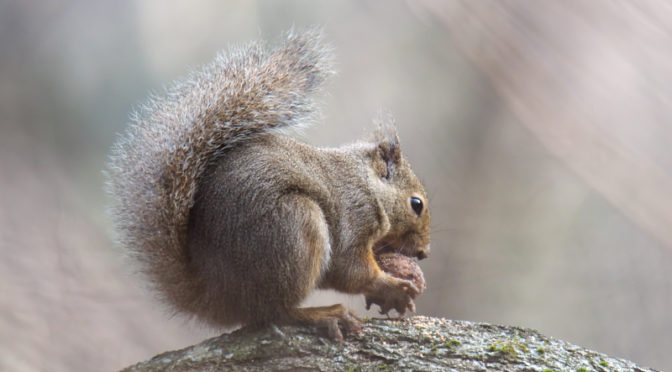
401, 196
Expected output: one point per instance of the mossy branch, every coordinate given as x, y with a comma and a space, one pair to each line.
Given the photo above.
418, 344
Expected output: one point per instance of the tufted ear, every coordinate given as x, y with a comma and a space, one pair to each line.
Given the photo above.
387, 139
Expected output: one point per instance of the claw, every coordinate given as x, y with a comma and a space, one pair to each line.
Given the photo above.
411, 306
333, 330
401, 308
332, 321
395, 293
385, 308
412, 290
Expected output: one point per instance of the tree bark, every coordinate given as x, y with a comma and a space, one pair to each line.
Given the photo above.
415, 344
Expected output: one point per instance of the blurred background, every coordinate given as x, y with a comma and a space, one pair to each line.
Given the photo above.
542, 131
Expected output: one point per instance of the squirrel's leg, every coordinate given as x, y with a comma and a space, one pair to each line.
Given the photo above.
312, 254
329, 319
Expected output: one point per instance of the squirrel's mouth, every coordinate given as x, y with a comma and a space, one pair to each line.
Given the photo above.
406, 247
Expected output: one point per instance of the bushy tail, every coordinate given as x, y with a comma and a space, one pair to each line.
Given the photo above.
155, 166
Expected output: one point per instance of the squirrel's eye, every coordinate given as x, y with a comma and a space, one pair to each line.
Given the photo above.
416, 204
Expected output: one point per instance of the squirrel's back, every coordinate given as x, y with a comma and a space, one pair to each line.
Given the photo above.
156, 165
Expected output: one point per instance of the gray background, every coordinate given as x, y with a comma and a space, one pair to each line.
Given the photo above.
540, 129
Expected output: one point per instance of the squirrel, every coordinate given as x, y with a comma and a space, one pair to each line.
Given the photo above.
234, 222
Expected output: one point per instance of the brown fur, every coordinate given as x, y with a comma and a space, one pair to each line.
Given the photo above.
236, 223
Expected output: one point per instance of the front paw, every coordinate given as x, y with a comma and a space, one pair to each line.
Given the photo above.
393, 293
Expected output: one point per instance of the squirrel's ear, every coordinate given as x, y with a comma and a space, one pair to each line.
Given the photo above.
387, 139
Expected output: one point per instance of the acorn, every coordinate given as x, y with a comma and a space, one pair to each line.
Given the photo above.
402, 267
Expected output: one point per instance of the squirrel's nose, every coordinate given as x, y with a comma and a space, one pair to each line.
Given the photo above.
423, 253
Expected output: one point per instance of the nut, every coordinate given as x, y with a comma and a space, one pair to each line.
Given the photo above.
402, 267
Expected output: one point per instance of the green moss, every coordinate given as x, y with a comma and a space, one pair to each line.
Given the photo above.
448, 344
453, 343
604, 363
541, 350
508, 348
511, 348
366, 320
582, 369
547, 370
520, 346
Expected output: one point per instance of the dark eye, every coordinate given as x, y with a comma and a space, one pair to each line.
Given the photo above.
416, 204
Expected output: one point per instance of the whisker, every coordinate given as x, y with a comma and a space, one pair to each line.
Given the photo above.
385, 245
448, 229
401, 248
